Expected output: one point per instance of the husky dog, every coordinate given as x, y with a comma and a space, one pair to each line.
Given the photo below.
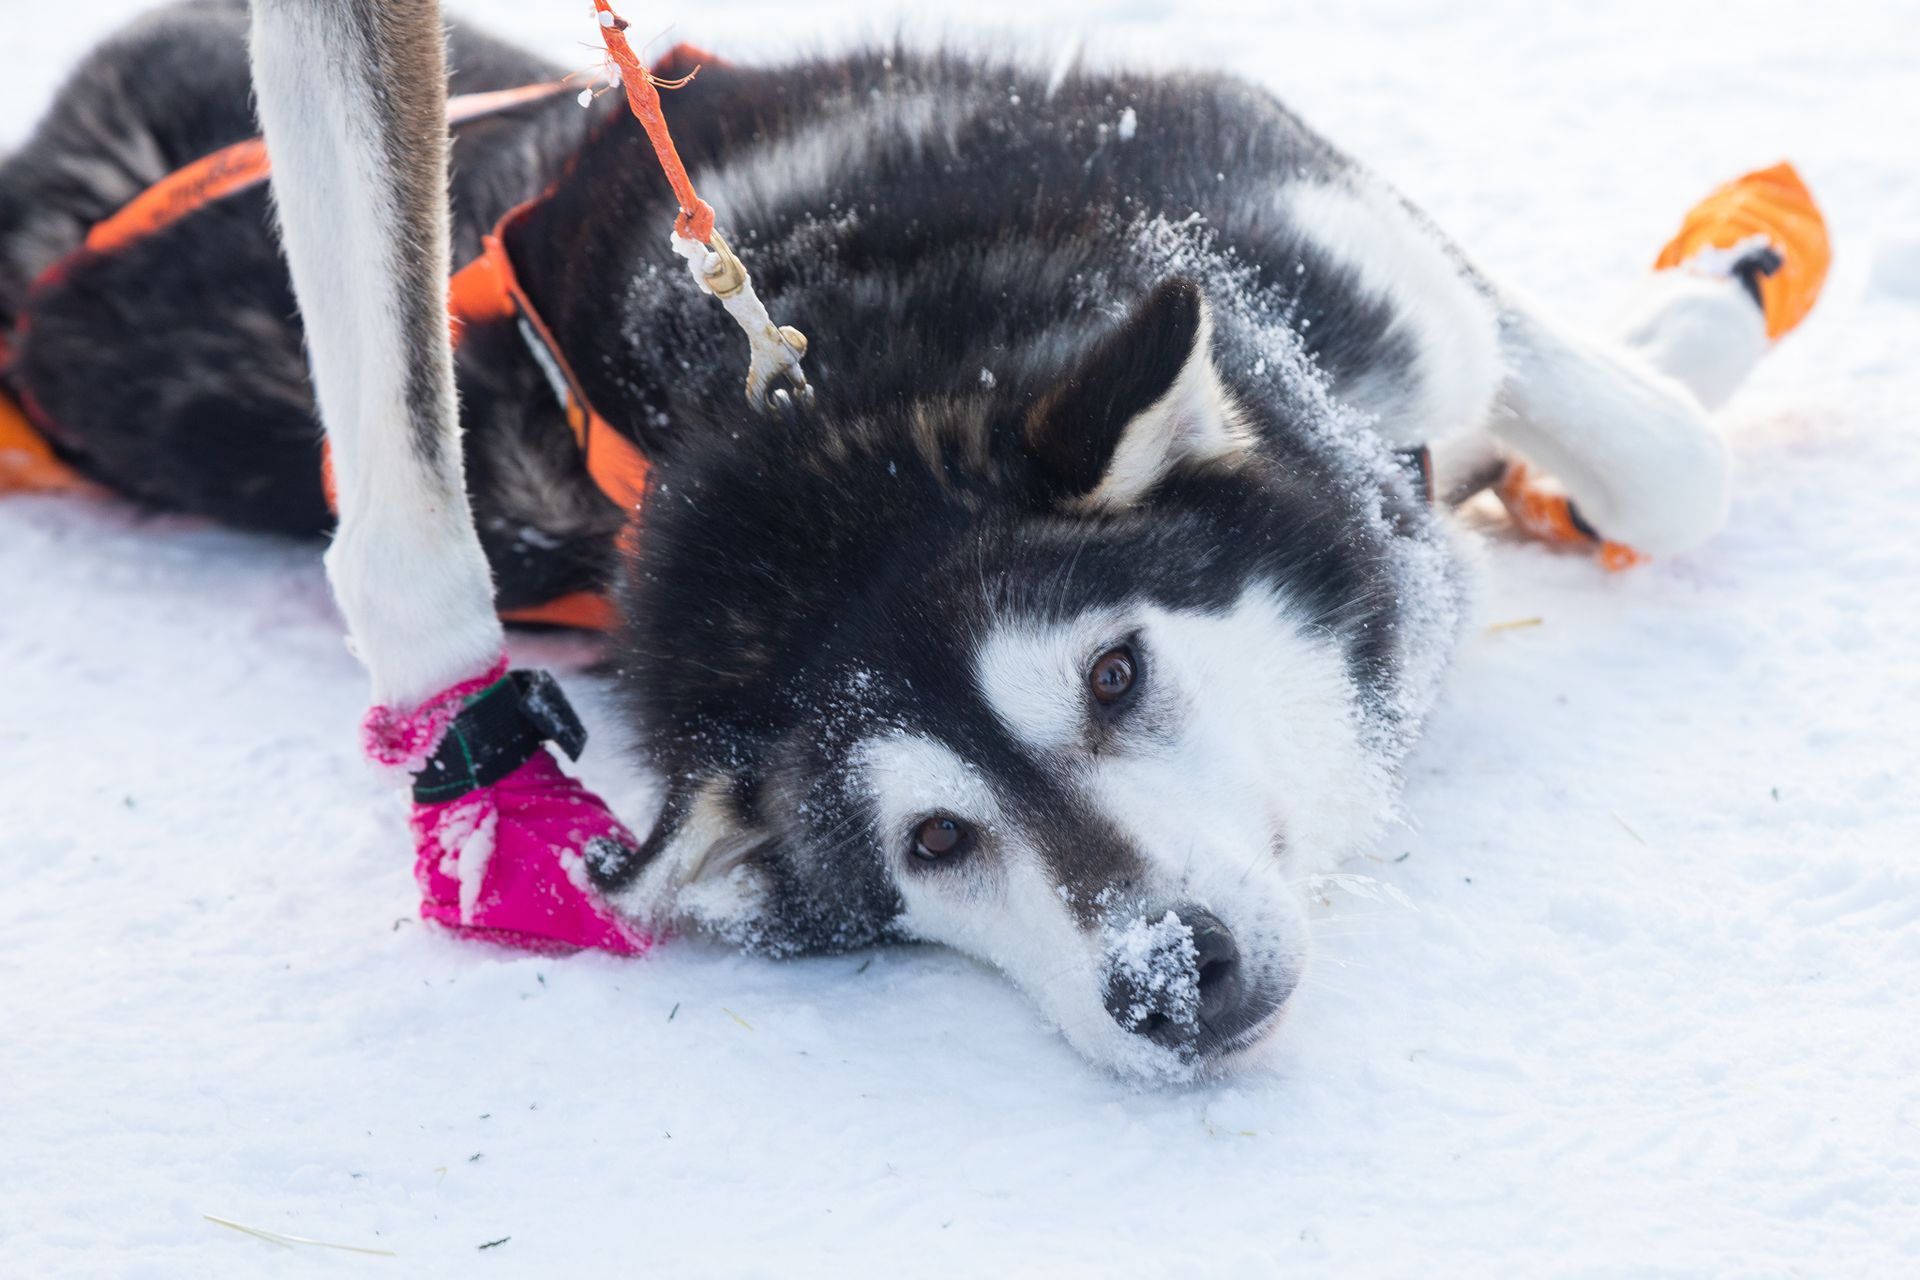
1085, 610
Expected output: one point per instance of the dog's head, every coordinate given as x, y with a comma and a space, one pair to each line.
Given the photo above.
1066, 674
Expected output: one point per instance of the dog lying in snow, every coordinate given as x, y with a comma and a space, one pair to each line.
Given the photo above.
1087, 607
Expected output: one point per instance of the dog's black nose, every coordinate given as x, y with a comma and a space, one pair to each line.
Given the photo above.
1155, 990
1218, 960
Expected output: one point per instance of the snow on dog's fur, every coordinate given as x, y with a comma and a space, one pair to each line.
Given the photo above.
1083, 615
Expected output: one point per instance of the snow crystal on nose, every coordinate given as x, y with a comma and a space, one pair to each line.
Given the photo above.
1156, 963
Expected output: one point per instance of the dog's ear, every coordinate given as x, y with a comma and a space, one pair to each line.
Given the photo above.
1144, 402
702, 866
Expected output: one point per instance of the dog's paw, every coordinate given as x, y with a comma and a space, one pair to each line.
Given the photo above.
1764, 230
502, 836
508, 862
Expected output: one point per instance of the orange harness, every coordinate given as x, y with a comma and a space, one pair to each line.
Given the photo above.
484, 290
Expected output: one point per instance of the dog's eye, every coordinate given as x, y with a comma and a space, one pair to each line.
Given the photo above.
1111, 676
942, 838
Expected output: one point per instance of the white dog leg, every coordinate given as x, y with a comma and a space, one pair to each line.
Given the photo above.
1705, 332
353, 102
1633, 446
352, 98
1624, 427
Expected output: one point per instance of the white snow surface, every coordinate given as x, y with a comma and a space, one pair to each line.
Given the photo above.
1654, 1009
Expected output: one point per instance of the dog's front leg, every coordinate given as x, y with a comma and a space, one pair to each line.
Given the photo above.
352, 101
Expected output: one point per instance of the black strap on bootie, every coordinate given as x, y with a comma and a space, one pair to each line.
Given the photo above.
1753, 267
498, 731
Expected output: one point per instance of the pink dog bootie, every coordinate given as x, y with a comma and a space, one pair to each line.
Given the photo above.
501, 835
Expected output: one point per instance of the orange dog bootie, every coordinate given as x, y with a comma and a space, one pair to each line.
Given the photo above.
1542, 510
1732, 230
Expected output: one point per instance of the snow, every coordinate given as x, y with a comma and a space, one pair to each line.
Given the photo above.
1156, 959
1896, 267
467, 839
1652, 1011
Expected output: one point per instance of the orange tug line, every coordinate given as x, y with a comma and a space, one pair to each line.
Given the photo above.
695, 221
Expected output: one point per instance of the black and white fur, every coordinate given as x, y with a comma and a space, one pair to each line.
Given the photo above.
1103, 361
